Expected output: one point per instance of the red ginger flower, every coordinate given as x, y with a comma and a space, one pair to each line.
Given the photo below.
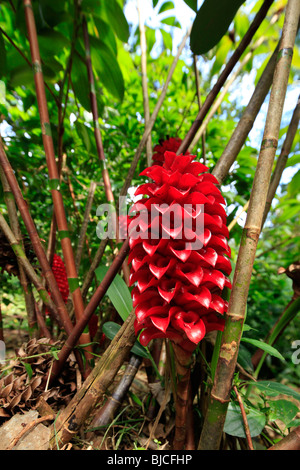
60, 274
179, 272
171, 144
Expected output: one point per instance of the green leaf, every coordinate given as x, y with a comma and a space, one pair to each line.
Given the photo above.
282, 409
118, 293
111, 12
244, 358
234, 424
28, 369
107, 68
2, 56
293, 160
110, 329
51, 41
265, 347
192, 4
80, 82
211, 23
273, 389
83, 133
166, 6
171, 21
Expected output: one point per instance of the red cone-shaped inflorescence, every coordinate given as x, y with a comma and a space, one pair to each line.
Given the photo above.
171, 144
60, 274
179, 253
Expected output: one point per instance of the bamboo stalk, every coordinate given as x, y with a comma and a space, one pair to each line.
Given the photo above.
14, 223
246, 122
59, 305
99, 145
282, 159
107, 412
197, 83
84, 225
224, 75
94, 387
59, 210
153, 117
223, 93
220, 393
75, 334
30, 272
95, 263
143, 45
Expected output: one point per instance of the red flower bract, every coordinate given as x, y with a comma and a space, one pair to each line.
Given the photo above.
60, 274
179, 252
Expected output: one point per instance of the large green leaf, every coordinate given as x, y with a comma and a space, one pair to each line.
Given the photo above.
273, 389
265, 347
192, 4
282, 409
234, 424
118, 293
211, 23
110, 329
110, 12
107, 68
2, 56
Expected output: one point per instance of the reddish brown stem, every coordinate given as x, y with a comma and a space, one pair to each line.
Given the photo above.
89, 310
59, 210
244, 417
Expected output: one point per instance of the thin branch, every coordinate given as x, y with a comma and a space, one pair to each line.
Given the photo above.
260, 16
283, 158
197, 82
85, 222
246, 122
144, 79
223, 93
153, 117
244, 417
28, 428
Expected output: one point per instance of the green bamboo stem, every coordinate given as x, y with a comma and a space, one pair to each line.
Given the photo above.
246, 122
260, 16
283, 158
220, 394
59, 210
217, 103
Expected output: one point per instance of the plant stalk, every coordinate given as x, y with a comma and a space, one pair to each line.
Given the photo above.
59, 210
220, 394
260, 16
